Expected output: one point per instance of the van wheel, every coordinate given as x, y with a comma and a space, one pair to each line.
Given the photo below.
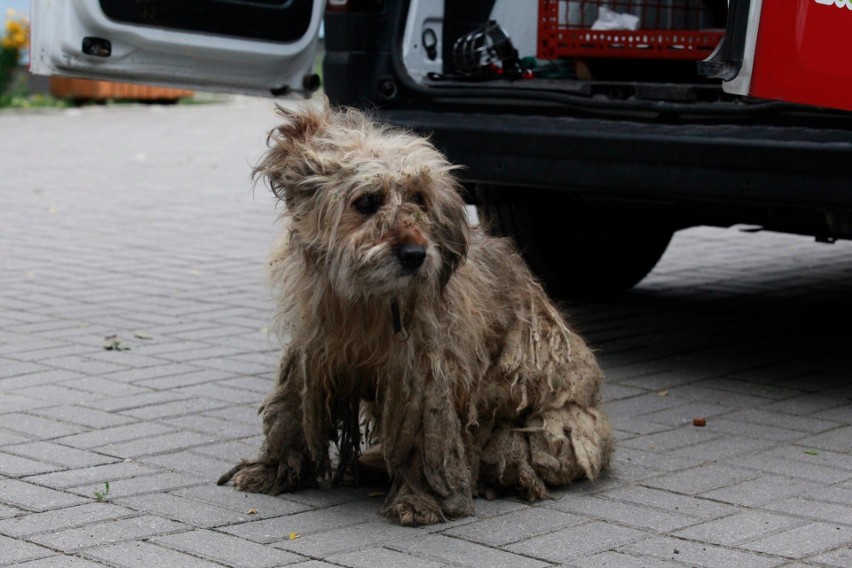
575, 249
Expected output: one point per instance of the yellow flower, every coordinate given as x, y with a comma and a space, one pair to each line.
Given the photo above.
17, 32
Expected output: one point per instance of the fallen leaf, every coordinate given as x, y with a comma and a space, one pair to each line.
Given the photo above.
251, 512
699, 422
142, 335
294, 536
812, 452
113, 343
377, 494
663, 393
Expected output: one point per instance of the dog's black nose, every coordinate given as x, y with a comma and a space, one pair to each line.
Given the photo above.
411, 256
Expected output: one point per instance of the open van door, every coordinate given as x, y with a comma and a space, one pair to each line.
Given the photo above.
259, 47
791, 50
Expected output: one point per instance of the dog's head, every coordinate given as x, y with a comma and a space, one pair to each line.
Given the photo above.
375, 209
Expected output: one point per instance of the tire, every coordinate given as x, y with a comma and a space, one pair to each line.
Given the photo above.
576, 249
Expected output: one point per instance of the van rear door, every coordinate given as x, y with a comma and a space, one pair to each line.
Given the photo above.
795, 51
258, 47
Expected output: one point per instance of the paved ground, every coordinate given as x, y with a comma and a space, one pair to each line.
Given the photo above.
139, 223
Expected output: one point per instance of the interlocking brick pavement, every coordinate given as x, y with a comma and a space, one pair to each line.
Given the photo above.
139, 222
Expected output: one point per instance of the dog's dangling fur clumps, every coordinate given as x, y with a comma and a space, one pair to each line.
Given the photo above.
412, 332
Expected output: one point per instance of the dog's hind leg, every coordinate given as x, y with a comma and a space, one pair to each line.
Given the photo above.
569, 443
284, 462
554, 448
506, 465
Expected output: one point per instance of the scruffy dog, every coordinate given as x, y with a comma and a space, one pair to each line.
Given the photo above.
411, 332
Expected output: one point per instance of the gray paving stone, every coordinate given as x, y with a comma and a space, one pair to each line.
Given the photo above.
382, 558
88, 417
7, 512
57, 394
685, 436
514, 526
803, 541
153, 445
840, 558
303, 522
83, 364
202, 467
181, 375
37, 427
31, 497
230, 452
630, 514
105, 436
811, 509
459, 552
61, 562
227, 549
48, 376
176, 508
15, 551
16, 402
134, 401
759, 491
109, 532
64, 518
800, 469
326, 543
806, 404
12, 368
839, 440
219, 392
176, 408
801, 454
576, 542
613, 559
7, 438
261, 505
739, 528
698, 553
212, 425
144, 555
15, 466
59, 454
104, 387
701, 479
695, 507
94, 475
782, 422
485, 509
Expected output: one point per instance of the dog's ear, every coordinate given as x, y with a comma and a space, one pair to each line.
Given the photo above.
290, 158
452, 229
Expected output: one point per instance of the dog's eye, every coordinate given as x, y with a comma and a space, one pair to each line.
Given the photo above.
368, 204
419, 200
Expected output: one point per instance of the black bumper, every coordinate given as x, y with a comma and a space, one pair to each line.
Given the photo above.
728, 163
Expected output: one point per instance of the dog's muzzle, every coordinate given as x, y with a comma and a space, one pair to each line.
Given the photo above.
411, 256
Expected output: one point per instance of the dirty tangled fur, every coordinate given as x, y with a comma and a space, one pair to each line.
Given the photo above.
458, 372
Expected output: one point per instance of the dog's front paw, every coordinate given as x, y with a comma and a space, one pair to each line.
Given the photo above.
415, 510
273, 478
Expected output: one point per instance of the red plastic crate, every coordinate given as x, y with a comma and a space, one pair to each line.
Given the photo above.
668, 29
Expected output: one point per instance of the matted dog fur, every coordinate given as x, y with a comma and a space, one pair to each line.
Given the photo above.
411, 332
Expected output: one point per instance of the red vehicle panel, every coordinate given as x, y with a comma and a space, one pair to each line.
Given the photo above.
802, 53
